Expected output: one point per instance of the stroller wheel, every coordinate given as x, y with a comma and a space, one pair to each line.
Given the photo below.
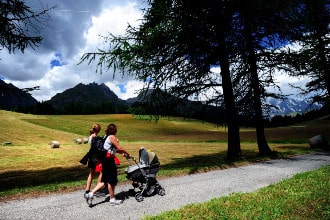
139, 197
161, 192
135, 185
151, 190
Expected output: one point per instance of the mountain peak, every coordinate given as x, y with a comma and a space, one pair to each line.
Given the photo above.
92, 93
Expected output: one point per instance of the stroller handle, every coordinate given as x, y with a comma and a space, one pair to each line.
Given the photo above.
129, 157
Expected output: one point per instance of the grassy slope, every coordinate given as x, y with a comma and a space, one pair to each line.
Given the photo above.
304, 196
183, 146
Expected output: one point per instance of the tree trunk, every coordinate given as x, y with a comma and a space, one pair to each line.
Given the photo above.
259, 123
234, 147
261, 139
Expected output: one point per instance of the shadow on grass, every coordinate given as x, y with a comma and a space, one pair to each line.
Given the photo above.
203, 163
56, 175
180, 166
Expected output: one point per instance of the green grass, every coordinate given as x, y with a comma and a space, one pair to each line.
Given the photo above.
305, 196
29, 167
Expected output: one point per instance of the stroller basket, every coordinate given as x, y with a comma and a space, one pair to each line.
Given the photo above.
143, 174
134, 173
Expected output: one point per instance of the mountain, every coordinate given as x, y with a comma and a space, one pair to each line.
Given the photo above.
289, 106
279, 107
99, 98
97, 95
92, 93
142, 97
12, 97
90, 98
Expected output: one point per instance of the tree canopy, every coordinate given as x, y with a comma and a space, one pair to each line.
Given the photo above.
20, 25
179, 42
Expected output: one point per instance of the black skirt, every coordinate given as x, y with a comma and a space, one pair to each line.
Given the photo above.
109, 171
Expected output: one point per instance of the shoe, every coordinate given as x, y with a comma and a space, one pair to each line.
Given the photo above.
89, 199
86, 195
115, 202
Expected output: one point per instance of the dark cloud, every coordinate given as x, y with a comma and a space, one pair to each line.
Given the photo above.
71, 29
68, 21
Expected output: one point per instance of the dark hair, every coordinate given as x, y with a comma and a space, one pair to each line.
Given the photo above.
111, 129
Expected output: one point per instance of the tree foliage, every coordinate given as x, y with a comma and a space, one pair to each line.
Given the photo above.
308, 28
178, 43
20, 25
20, 29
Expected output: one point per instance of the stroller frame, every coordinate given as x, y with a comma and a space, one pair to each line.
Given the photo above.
144, 177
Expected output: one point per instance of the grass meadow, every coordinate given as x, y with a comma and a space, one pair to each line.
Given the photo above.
29, 167
304, 196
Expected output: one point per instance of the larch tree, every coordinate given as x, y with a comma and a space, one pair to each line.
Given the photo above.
308, 27
174, 49
256, 26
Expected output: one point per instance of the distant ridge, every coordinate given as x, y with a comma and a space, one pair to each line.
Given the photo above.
99, 98
12, 97
289, 106
94, 95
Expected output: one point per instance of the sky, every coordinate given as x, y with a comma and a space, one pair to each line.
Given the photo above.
74, 28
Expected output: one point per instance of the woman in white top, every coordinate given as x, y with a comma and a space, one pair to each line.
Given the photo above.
109, 167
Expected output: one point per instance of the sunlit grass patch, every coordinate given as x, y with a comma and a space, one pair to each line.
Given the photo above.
304, 196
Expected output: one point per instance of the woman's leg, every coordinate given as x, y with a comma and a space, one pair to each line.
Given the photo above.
90, 179
99, 186
99, 178
113, 179
111, 188
113, 200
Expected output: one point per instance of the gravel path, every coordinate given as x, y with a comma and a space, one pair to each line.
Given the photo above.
180, 191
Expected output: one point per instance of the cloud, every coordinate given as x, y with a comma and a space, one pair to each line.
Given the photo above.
74, 28
114, 20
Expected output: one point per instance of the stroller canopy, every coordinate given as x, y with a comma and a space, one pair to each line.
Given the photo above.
148, 158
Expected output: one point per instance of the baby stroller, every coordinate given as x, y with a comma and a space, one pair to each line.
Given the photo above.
143, 175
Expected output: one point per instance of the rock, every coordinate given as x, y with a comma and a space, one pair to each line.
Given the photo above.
6, 143
85, 140
318, 141
78, 141
54, 144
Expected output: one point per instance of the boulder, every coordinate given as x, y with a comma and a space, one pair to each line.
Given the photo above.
318, 141
85, 140
78, 141
54, 144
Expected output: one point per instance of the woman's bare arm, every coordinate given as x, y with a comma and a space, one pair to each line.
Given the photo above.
119, 148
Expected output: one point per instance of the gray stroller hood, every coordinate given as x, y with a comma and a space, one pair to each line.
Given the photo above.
147, 159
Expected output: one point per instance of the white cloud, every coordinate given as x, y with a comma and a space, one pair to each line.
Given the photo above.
284, 81
74, 29
113, 20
